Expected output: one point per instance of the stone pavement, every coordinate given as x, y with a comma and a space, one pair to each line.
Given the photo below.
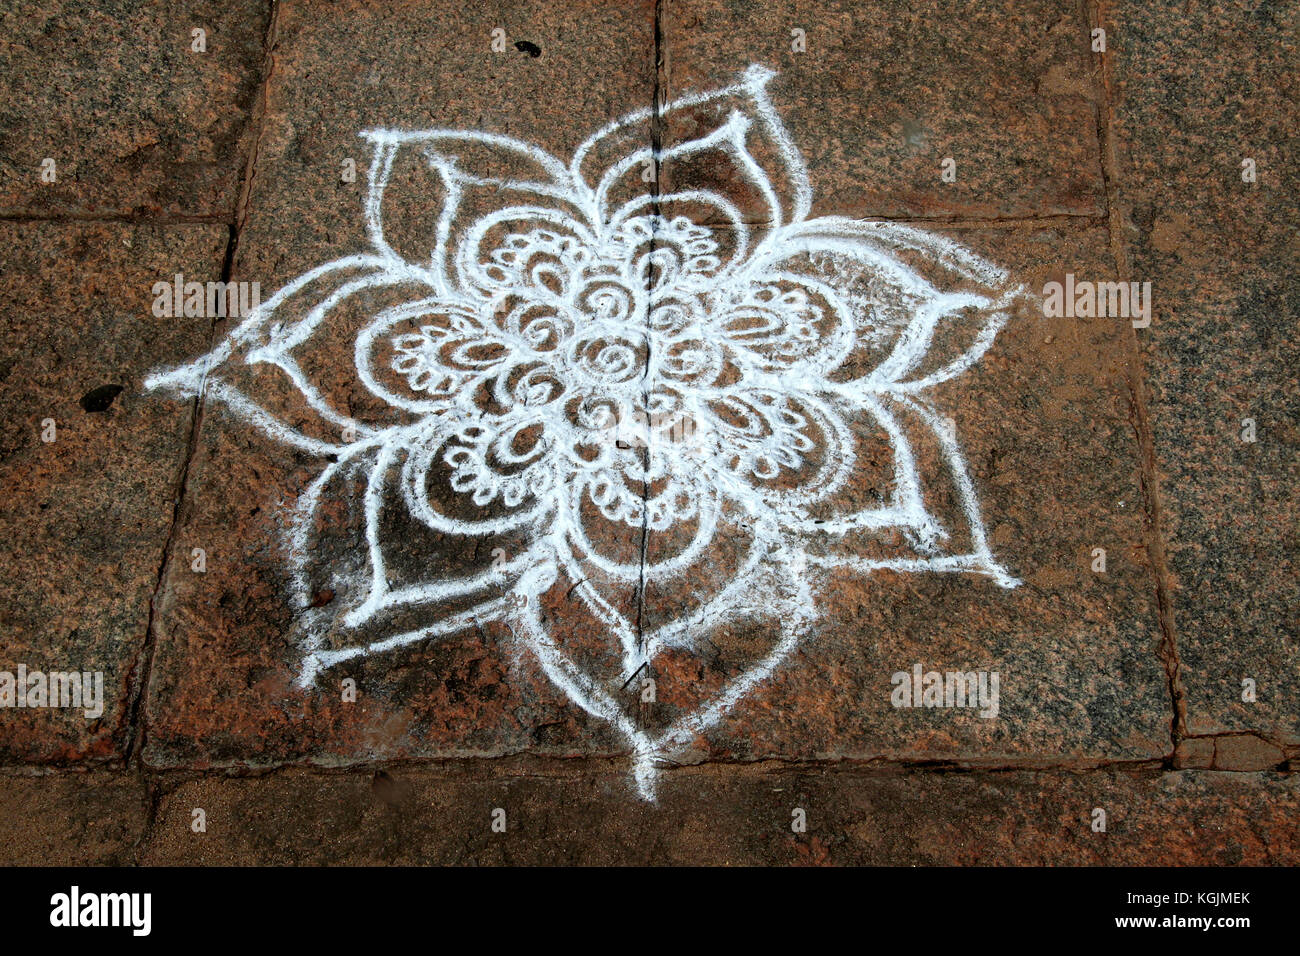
690, 662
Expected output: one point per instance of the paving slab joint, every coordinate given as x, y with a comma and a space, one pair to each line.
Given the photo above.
1094, 13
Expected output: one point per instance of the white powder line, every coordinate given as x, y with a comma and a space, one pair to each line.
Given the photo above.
569, 370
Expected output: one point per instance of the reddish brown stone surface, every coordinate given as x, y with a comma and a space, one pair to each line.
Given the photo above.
1045, 420
136, 121
85, 517
1194, 98
223, 690
881, 96
1120, 690
732, 818
75, 819
576, 814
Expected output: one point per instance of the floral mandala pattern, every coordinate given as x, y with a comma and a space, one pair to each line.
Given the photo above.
571, 355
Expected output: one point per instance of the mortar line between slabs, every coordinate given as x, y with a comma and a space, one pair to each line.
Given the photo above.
110, 216
1095, 14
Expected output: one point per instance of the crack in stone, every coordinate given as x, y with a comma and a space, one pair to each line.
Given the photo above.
656, 146
141, 670
1140, 419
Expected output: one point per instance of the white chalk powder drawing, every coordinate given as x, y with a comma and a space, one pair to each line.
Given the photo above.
580, 347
